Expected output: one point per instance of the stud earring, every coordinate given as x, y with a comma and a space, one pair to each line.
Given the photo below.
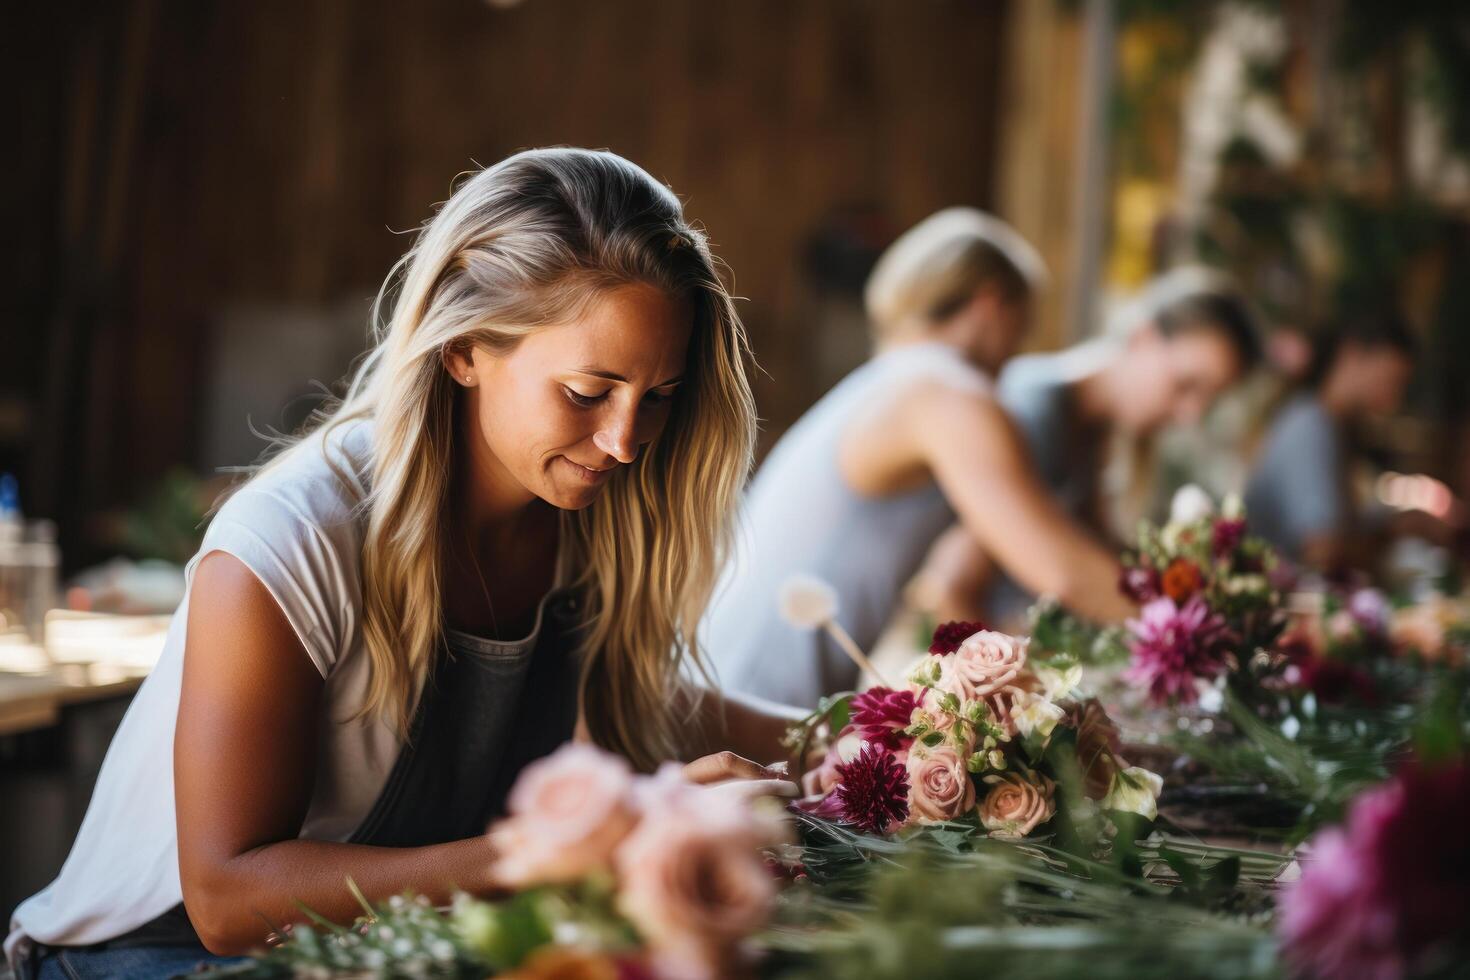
467, 379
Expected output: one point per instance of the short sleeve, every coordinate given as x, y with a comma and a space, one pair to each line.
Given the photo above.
1299, 480
1035, 406
302, 564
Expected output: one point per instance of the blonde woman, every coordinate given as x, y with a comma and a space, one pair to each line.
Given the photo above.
859, 489
503, 536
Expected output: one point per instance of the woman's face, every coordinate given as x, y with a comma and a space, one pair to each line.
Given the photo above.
1174, 380
575, 401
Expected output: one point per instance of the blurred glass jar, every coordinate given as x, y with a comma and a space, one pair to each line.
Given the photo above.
30, 566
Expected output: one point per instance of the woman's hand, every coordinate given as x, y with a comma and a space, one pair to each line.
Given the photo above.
738, 775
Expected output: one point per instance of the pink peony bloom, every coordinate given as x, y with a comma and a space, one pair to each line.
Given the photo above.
1173, 646
881, 715
1388, 892
1016, 803
692, 879
985, 663
568, 812
940, 787
949, 636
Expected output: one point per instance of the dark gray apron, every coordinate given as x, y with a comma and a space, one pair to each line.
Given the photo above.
482, 718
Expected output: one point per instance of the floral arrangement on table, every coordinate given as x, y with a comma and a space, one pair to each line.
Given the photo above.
1387, 894
1354, 648
979, 735
616, 876
1211, 607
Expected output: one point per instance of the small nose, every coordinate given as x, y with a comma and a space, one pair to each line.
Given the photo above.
617, 440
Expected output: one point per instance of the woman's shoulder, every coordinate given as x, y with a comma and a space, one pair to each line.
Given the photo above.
299, 526
930, 363
320, 482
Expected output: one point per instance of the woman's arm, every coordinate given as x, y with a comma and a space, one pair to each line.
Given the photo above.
244, 760
972, 449
725, 722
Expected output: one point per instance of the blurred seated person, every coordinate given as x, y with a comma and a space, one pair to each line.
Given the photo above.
1300, 495
1164, 360
857, 491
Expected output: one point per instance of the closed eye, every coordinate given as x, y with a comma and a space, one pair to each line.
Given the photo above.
585, 401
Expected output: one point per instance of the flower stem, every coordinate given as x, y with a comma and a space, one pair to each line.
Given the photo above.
854, 653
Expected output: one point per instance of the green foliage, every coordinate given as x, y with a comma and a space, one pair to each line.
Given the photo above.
943, 903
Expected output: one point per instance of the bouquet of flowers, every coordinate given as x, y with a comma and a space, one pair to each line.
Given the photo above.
616, 875
1211, 604
978, 736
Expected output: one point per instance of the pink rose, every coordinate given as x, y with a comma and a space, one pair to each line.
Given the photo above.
940, 787
984, 664
693, 881
568, 812
1016, 803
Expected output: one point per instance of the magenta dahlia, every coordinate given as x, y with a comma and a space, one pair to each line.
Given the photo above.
1387, 894
881, 714
949, 636
1174, 645
873, 790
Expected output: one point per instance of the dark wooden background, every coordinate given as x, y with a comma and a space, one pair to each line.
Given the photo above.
178, 160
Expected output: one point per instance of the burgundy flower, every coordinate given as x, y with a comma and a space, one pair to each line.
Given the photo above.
1390, 890
881, 714
1226, 536
1139, 583
1335, 682
1173, 645
873, 793
949, 636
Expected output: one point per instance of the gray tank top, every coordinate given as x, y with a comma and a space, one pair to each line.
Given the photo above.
800, 517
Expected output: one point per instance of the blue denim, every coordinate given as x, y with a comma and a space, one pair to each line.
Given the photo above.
128, 962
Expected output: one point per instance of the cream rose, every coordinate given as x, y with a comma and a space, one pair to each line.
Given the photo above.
1135, 790
568, 812
985, 663
1034, 713
940, 787
1016, 803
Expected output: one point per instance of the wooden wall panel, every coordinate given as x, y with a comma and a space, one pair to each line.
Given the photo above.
278, 148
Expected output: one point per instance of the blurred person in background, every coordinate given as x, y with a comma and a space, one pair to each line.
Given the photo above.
500, 541
1300, 496
1167, 356
857, 491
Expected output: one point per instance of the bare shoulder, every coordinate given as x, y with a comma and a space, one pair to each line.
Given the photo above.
888, 446
237, 627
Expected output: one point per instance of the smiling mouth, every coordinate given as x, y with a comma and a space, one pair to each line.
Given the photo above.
587, 473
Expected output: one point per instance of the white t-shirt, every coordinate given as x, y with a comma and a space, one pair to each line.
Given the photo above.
299, 528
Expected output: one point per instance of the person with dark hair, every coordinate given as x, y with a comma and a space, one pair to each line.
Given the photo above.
1299, 496
1164, 359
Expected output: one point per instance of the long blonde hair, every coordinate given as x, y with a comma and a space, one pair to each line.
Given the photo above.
934, 268
523, 244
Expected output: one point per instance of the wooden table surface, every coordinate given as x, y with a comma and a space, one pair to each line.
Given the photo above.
86, 658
